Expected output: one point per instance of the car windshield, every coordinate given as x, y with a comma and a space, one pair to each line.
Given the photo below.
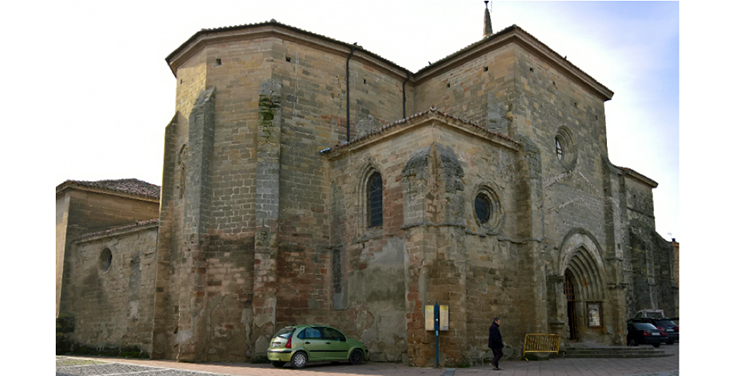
285, 333
644, 326
665, 323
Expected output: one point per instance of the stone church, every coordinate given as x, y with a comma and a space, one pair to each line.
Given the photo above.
308, 180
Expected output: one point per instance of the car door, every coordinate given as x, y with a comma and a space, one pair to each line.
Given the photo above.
314, 342
337, 346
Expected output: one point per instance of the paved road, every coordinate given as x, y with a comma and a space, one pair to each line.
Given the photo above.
96, 366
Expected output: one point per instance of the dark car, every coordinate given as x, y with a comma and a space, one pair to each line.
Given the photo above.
300, 344
645, 333
673, 331
665, 324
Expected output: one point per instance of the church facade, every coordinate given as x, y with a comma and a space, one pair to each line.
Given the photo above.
307, 180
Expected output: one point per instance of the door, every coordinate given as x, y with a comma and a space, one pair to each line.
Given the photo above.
571, 298
314, 342
336, 344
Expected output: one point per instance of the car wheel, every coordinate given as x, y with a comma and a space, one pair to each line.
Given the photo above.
657, 344
278, 364
356, 357
632, 342
670, 342
299, 360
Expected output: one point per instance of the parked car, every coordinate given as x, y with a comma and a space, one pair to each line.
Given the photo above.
301, 344
665, 324
673, 331
649, 313
645, 333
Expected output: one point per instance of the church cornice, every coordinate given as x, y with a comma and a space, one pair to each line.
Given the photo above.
272, 28
639, 177
119, 230
514, 35
128, 188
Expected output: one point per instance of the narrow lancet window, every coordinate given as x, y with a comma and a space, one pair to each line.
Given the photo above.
375, 200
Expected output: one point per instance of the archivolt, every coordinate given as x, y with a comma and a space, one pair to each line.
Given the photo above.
586, 276
581, 255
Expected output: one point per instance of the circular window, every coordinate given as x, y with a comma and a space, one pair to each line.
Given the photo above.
565, 148
483, 208
487, 209
105, 260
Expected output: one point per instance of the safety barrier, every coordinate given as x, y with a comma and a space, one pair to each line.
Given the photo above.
540, 343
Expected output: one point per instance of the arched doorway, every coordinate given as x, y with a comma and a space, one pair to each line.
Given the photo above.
583, 304
584, 290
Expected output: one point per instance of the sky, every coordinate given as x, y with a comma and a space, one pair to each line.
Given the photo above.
119, 91
88, 94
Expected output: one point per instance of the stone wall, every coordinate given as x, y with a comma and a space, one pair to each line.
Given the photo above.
276, 104
479, 90
81, 210
110, 291
565, 121
430, 247
649, 256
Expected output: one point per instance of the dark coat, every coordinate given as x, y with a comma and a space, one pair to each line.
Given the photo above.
496, 339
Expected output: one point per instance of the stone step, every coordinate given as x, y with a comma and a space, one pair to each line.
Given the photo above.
644, 351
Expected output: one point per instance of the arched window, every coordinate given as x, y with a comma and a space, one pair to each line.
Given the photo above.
105, 259
375, 200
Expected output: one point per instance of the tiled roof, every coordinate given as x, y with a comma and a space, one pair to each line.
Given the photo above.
112, 230
421, 114
521, 31
130, 186
413, 76
273, 22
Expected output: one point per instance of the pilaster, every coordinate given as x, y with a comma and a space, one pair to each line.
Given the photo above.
265, 285
192, 302
164, 244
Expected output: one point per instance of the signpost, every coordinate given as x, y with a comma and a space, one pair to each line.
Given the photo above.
437, 330
436, 318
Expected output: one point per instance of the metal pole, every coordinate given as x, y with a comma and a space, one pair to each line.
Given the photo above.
437, 330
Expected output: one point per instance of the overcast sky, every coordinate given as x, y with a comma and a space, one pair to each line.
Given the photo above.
119, 92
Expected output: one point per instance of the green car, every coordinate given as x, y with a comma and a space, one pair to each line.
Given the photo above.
300, 344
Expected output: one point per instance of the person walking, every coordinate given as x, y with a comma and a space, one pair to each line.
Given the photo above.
496, 343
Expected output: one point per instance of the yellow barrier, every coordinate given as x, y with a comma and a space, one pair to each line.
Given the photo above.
540, 343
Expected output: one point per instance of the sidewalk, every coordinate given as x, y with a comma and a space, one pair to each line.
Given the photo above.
91, 366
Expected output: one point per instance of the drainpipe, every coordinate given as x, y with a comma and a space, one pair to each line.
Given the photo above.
347, 93
403, 91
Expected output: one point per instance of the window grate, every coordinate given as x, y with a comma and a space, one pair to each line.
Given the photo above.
375, 200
